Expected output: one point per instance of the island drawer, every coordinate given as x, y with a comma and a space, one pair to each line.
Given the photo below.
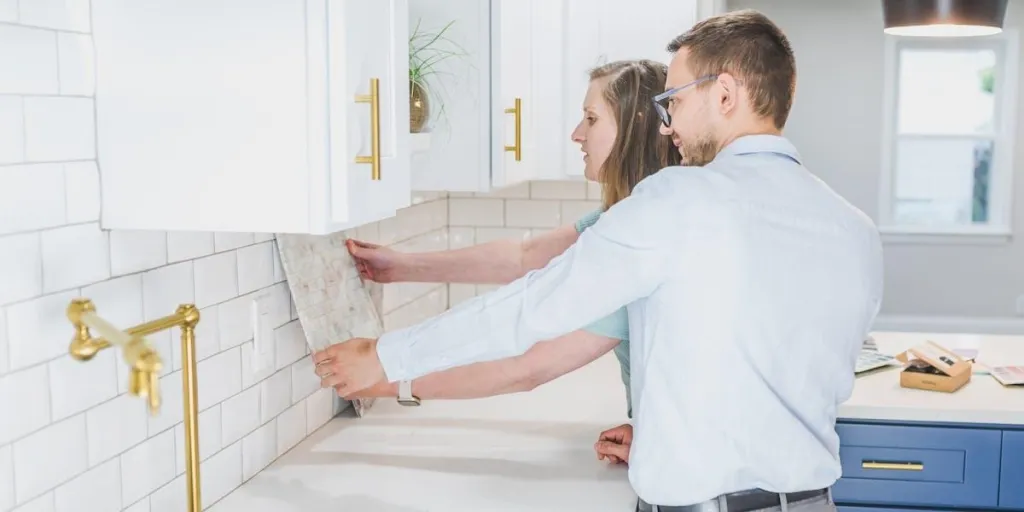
1011, 490
918, 466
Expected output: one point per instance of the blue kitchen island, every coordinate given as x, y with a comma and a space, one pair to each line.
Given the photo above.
909, 449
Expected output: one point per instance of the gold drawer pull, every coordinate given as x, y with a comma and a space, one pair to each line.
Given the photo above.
895, 466
374, 100
518, 112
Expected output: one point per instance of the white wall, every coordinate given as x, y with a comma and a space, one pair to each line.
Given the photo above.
71, 439
835, 123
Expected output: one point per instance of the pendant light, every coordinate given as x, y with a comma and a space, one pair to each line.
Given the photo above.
944, 18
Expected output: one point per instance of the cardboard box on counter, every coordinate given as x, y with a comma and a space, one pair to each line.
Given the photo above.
932, 367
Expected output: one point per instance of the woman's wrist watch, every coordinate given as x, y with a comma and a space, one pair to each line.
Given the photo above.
405, 396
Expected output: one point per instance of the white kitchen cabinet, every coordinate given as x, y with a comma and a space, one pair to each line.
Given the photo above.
251, 115
510, 57
601, 31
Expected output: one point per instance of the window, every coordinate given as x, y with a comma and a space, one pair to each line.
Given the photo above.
948, 136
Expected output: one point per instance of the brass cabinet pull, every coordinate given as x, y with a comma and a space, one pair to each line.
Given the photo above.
518, 112
896, 466
374, 100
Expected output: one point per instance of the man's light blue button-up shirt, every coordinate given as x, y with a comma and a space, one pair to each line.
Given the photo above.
750, 287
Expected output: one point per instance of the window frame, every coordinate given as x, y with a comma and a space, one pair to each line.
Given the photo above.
999, 227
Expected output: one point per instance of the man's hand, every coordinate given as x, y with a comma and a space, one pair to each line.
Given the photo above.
376, 263
613, 444
349, 366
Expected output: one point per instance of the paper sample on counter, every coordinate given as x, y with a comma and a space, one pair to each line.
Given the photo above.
1008, 375
332, 303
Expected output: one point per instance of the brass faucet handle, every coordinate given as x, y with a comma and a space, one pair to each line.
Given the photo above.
154, 393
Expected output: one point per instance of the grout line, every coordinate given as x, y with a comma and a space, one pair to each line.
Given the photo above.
20, 24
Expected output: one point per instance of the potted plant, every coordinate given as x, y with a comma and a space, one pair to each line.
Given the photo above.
426, 51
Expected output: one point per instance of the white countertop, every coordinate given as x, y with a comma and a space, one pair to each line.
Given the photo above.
534, 451
531, 451
878, 395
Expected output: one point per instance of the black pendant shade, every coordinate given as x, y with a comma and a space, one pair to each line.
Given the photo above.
944, 18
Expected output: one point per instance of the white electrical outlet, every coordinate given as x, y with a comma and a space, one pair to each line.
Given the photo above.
262, 334
1020, 305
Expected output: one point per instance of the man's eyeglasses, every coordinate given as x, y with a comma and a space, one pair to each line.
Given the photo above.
661, 100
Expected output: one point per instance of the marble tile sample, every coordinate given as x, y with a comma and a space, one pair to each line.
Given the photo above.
331, 300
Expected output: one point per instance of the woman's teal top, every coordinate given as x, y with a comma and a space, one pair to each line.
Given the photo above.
615, 325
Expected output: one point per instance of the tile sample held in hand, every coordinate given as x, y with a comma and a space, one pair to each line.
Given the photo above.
332, 302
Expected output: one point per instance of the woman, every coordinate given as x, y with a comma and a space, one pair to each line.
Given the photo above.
621, 143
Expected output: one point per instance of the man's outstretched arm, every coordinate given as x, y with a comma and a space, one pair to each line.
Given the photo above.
623, 257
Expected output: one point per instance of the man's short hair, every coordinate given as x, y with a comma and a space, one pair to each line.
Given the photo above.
749, 46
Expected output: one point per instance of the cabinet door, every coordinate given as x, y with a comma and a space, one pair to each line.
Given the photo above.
458, 155
601, 31
201, 114
368, 63
513, 113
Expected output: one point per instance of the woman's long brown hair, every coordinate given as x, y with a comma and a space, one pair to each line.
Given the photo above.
640, 149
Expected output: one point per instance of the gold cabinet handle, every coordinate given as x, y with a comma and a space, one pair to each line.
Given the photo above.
517, 111
896, 466
374, 100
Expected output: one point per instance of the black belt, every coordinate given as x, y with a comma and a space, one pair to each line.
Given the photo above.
744, 501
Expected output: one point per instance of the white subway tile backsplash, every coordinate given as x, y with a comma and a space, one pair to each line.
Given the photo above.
209, 437
171, 497
240, 415
140, 506
458, 293
222, 473
49, 457
82, 184
136, 250
12, 129
476, 212
115, 426
165, 288
6, 478
216, 278
43, 503
573, 211
250, 375
38, 329
228, 241
532, 214
319, 409
147, 467
28, 57
172, 408
558, 190
99, 490
118, 300
259, 449
59, 128
221, 376
28, 393
187, 245
290, 343
517, 191
593, 191
74, 256
207, 333
255, 267
21, 258
275, 395
5, 364
71, 15
76, 64
304, 379
68, 378
291, 427
485, 235
31, 197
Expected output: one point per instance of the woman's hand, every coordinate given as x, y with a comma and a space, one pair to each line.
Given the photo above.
613, 444
376, 263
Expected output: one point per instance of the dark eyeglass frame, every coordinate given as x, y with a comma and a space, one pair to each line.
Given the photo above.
662, 109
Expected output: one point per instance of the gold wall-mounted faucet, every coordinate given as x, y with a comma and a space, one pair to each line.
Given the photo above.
146, 364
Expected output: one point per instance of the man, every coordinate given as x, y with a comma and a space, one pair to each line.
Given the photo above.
750, 287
